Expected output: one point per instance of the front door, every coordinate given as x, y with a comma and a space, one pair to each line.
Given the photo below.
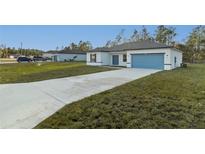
55, 58
115, 59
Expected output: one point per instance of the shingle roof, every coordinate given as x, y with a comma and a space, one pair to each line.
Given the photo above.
133, 46
72, 52
67, 52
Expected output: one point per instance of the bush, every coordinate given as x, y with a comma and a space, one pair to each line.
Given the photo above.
184, 65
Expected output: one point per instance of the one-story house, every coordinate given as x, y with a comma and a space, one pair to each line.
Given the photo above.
141, 54
14, 56
67, 56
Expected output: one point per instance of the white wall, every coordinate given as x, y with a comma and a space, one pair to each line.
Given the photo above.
178, 55
98, 59
64, 57
120, 54
104, 58
167, 56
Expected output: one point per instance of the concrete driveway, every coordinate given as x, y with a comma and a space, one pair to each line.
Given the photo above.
24, 105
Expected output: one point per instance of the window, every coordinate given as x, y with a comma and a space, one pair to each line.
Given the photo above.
93, 58
125, 58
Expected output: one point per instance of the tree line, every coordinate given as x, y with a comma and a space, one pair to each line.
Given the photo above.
5, 52
163, 34
81, 46
193, 47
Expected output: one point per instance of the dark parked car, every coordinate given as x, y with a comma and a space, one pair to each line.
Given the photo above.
23, 59
38, 58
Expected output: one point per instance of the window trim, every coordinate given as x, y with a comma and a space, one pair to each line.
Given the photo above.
93, 60
124, 57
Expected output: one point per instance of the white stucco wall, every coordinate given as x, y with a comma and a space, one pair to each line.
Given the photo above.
79, 57
98, 59
178, 55
120, 54
105, 58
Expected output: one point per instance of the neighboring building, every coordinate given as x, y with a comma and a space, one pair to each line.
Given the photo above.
11, 56
48, 55
66, 56
14, 56
141, 54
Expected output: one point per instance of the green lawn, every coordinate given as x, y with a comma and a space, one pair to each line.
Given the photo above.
169, 99
28, 72
7, 60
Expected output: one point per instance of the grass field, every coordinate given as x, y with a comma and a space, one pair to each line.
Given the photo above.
169, 99
7, 60
28, 72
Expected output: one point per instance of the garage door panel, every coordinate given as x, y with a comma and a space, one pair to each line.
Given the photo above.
153, 61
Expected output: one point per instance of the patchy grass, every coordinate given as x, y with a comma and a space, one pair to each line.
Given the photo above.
28, 72
169, 99
7, 60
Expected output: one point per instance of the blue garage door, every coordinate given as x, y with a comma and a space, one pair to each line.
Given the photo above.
153, 61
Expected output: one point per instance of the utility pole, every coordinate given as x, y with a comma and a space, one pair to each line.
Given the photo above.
21, 45
21, 48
